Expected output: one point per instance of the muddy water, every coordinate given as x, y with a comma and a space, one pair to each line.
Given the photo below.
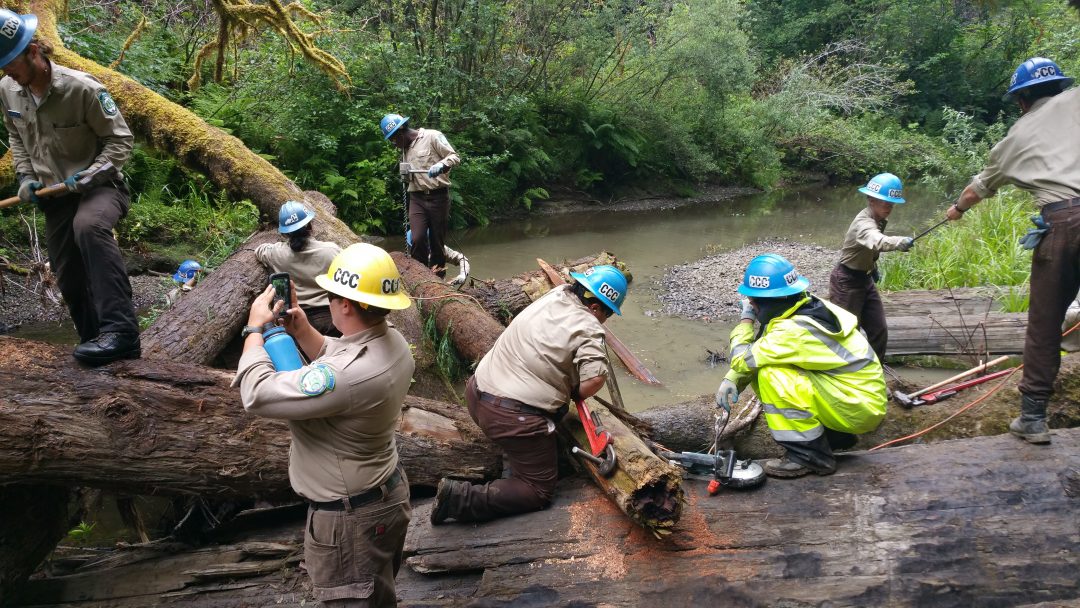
649, 241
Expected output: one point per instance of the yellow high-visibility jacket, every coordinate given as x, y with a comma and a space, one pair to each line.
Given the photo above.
846, 387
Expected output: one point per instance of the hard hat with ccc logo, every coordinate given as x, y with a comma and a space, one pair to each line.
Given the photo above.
1035, 71
772, 276
391, 123
367, 274
16, 32
605, 282
885, 186
187, 271
294, 216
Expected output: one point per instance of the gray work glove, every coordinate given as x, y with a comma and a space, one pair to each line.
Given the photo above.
463, 275
28, 191
906, 244
1031, 239
747, 311
436, 169
727, 395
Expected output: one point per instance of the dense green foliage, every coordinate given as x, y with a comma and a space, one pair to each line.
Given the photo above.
598, 98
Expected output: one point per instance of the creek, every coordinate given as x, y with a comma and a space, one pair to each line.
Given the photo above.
650, 241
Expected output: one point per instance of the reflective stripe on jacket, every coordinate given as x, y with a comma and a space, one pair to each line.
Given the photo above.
832, 377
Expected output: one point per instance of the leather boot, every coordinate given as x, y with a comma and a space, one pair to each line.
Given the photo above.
108, 347
1031, 425
440, 510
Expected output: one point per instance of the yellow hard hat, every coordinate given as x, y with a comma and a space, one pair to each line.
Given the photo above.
367, 274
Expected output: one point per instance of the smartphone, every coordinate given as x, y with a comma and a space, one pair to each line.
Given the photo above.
282, 291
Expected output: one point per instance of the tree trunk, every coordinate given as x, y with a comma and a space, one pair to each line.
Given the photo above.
505, 298
470, 328
160, 427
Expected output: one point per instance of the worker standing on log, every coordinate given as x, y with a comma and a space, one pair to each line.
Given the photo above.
550, 354
63, 126
853, 283
432, 157
304, 258
818, 380
342, 411
1040, 154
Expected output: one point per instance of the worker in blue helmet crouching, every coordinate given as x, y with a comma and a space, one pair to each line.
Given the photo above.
817, 377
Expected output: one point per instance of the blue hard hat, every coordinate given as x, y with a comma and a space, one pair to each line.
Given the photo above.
16, 31
772, 276
884, 186
187, 271
605, 282
294, 216
1036, 70
391, 123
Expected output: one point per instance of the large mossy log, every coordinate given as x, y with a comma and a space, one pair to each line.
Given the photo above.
161, 427
689, 425
505, 298
985, 521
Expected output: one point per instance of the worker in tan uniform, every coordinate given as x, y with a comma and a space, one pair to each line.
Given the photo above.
852, 284
1041, 155
304, 258
430, 158
342, 410
62, 124
552, 353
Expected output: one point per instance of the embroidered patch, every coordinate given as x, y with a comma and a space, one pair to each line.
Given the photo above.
317, 380
107, 104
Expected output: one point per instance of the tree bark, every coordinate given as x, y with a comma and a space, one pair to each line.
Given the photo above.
470, 328
161, 427
505, 298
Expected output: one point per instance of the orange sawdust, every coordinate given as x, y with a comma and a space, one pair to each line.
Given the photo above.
591, 524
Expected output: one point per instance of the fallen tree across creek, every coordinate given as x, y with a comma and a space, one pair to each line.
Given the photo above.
961, 523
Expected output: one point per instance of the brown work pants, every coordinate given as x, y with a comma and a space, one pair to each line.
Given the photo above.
855, 292
529, 445
86, 259
1055, 278
429, 217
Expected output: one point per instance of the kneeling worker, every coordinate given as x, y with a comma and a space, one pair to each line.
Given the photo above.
818, 380
342, 411
552, 353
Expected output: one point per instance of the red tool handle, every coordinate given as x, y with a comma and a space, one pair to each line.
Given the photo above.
598, 437
949, 391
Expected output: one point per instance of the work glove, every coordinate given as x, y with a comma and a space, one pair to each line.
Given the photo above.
72, 181
727, 395
436, 169
463, 275
28, 191
1031, 239
906, 244
747, 311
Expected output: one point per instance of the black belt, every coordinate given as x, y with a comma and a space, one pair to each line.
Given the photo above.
856, 272
429, 192
358, 500
511, 404
1058, 205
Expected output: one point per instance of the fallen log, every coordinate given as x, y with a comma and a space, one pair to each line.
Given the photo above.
971, 522
32, 520
688, 425
471, 330
505, 298
161, 427
951, 321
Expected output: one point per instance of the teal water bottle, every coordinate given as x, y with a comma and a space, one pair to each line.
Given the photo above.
282, 349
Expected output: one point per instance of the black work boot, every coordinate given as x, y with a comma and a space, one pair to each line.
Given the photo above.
786, 468
1031, 425
440, 510
108, 347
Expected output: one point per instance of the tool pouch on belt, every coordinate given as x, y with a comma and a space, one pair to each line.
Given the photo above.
875, 274
1031, 239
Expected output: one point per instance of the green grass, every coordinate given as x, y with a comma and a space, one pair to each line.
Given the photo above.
981, 249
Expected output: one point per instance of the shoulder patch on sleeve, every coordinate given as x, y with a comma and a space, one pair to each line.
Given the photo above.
318, 380
107, 104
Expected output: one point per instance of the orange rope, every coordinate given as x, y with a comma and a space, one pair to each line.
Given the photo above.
996, 388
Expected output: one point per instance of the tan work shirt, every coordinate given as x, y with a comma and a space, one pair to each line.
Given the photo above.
548, 349
76, 126
302, 266
429, 147
865, 240
1041, 153
342, 410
